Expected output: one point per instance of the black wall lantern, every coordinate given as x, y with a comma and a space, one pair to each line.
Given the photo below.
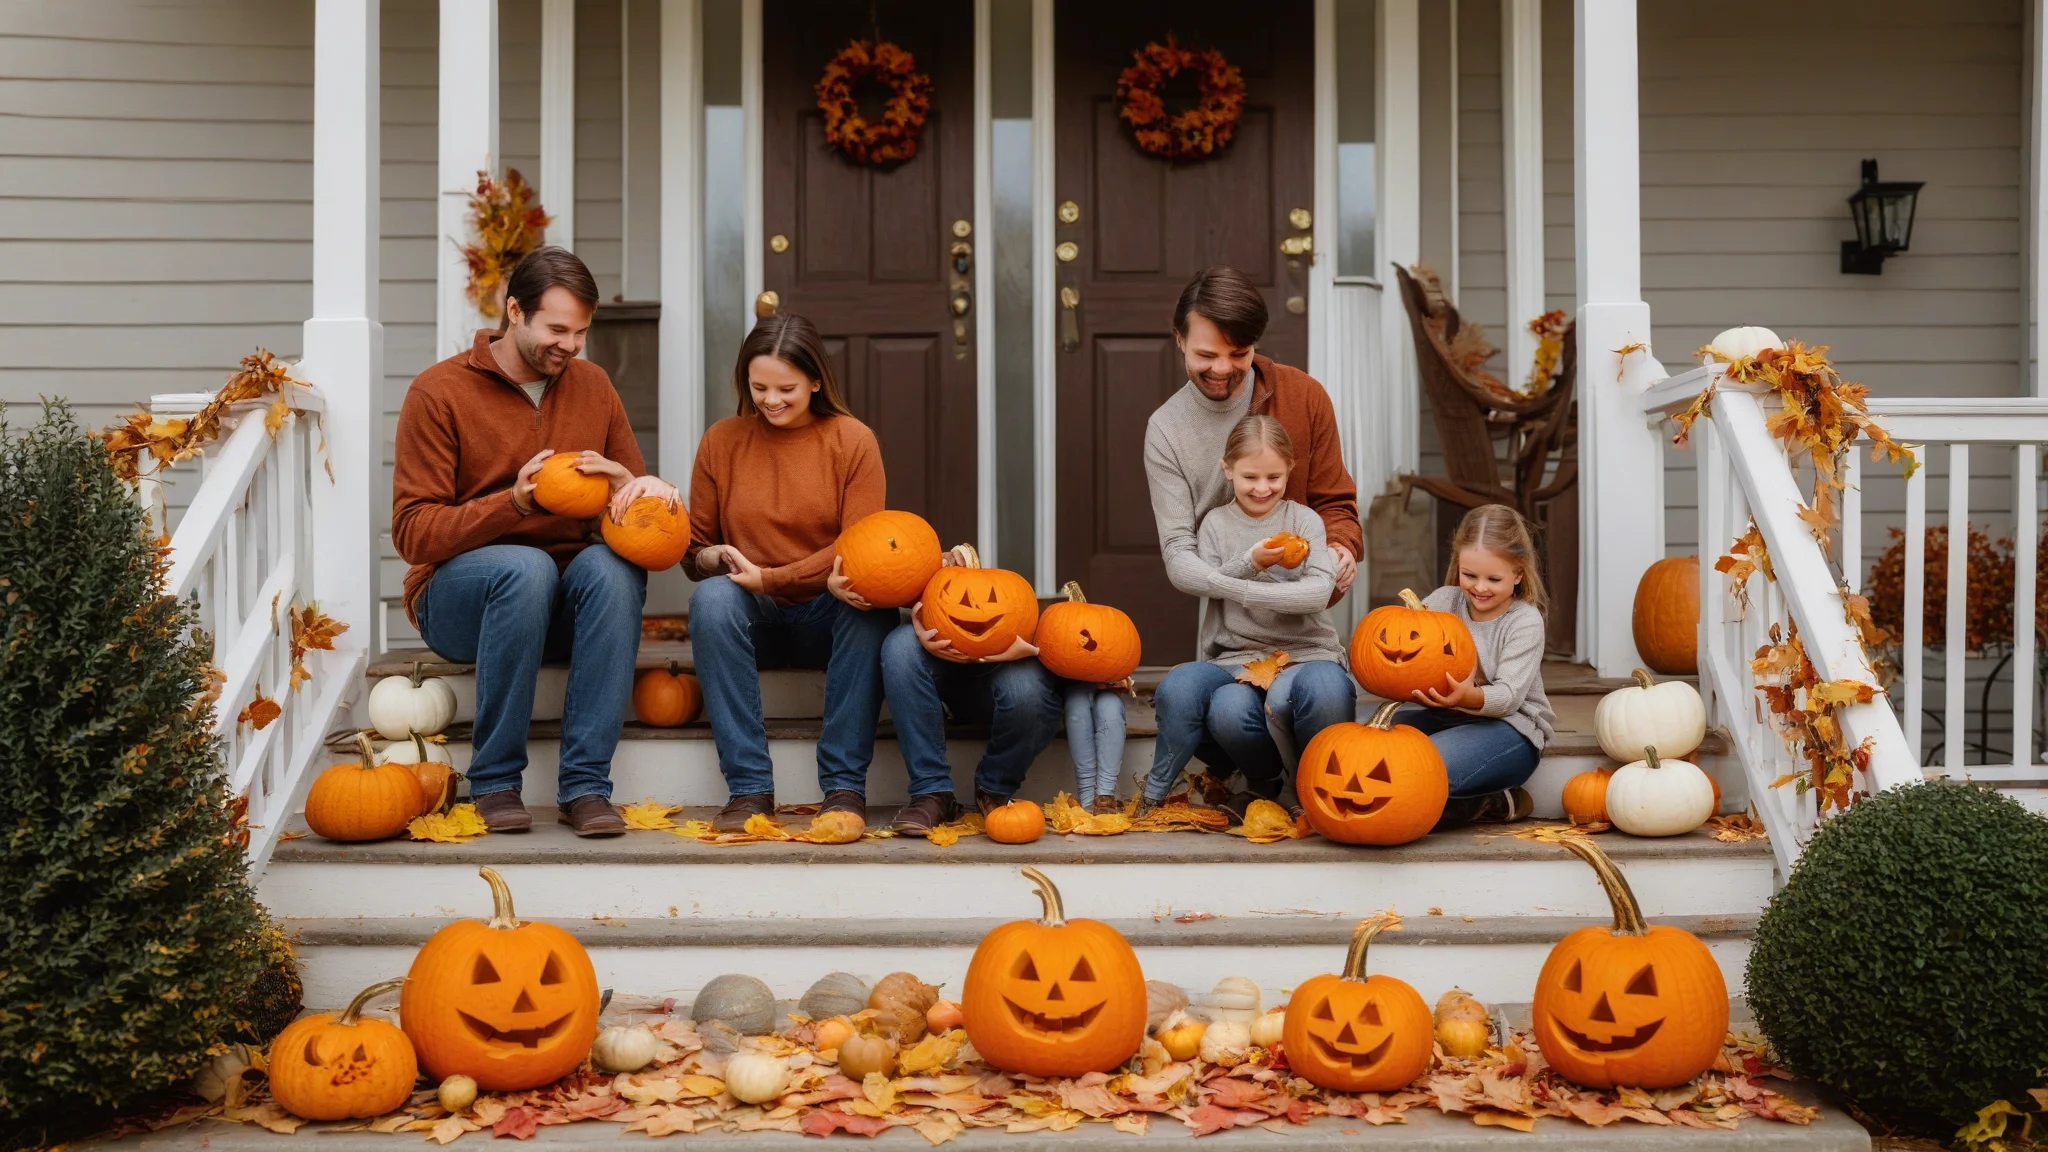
1884, 222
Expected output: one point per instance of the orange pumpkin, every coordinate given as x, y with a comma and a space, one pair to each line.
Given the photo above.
888, 557
437, 778
1293, 548
364, 800
1054, 997
511, 1005
561, 489
1358, 1033
1666, 621
342, 1067
982, 611
666, 697
1093, 643
1404, 648
1374, 783
1634, 1006
1585, 797
652, 535
1018, 822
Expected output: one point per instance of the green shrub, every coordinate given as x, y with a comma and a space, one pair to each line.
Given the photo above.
1906, 963
128, 930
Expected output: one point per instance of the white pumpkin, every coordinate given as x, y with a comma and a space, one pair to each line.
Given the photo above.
1266, 1029
1735, 343
413, 751
1659, 797
1235, 998
755, 1077
1226, 1043
1669, 717
402, 705
624, 1048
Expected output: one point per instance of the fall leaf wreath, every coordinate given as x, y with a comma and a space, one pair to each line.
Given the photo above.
892, 139
1197, 132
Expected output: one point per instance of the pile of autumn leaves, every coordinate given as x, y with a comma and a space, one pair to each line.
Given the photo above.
942, 1089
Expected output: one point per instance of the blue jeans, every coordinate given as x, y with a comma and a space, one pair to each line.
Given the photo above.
1205, 711
1095, 738
736, 633
506, 608
1018, 699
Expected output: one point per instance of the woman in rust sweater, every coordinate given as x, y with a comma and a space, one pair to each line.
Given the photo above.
773, 486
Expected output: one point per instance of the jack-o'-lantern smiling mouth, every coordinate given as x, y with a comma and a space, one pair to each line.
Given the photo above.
975, 628
1625, 1043
1343, 803
1346, 806
1355, 1059
515, 1037
1038, 1022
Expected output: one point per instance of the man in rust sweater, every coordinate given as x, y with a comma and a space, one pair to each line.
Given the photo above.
498, 581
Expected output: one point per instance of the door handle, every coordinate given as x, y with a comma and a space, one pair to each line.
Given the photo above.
1070, 318
961, 302
767, 304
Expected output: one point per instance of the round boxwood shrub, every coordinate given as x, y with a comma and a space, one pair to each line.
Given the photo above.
1906, 963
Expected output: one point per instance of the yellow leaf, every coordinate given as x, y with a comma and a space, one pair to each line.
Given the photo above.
764, 827
1989, 1125
1488, 1119
458, 824
1065, 816
649, 814
1836, 692
934, 1052
835, 827
939, 1127
1262, 672
708, 1087
879, 1090
274, 418
948, 834
1266, 822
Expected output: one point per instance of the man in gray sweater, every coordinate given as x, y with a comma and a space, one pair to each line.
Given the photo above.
1217, 325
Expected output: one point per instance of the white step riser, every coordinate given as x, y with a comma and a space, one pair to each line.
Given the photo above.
1499, 973
786, 694
758, 888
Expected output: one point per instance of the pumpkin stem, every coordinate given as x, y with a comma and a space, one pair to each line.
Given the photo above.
1354, 959
675, 669
973, 557
1650, 755
368, 750
416, 675
419, 744
1072, 591
1409, 598
349, 1015
1383, 716
501, 899
1628, 915
1055, 913
1643, 678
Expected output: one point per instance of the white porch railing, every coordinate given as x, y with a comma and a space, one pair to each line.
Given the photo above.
244, 547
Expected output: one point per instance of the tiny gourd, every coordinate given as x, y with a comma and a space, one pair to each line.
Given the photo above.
888, 557
1268, 1029
1092, 643
402, 705
364, 800
1735, 343
221, 1075
1226, 1043
1585, 796
1400, 649
831, 1034
666, 697
900, 1001
1374, 783
755, 1077
1667, 715
1463, 1028
1018, 822
980, 611
342, 1067
1354, 1033
456, 1093
1181, 1036
1656, 796
651, 535
624, 1048
743, 1003
864, 1053
1235, 998
431, 769
834, 994
561, 489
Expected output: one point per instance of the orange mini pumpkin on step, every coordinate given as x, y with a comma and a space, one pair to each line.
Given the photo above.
981, 611
561, 489
342, 1067
1093, 643
1018, 822
1585, 796
366, 800
666, 697
1358, 1033
888, 557
652, 535
1404, 648
1376, 783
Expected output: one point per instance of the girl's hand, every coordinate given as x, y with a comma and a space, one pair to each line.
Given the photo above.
1018, 650
1122, 687
1263, 557
711, 560
955, 557
838, 585
1463, 694
744, 572
592, 464
639, 486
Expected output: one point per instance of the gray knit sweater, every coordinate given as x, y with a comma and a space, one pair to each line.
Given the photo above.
1510, 663
1184, 468
1246, 613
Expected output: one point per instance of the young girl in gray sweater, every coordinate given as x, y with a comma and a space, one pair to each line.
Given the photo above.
1491, 727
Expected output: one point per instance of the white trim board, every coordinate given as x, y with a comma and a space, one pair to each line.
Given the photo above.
1044, 315
984, 287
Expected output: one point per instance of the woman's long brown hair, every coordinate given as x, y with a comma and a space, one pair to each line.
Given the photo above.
794, 341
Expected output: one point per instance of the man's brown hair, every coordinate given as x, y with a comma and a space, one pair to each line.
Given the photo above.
548, 266
1228, 299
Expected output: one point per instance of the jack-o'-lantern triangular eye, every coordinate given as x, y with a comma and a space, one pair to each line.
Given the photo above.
485, 972
1643, 983
1370, 1014
966, 598
1024, 969
1380, 773
1322, 1011
359, 1056
551, 972
1083, 971
1571, 978
991, 594
1450, 649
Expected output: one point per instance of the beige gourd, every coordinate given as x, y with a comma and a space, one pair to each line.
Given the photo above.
1226, 1043
624, 1048
400, 706
1235, 998
1748, 340
1668, 716
1657, 796
755, 1077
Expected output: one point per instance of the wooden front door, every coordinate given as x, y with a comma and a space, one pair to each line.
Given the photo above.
1145, 226
870, 252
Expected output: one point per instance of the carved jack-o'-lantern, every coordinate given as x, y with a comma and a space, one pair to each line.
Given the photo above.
342, 1067
1404, 648
1054, 997
1093, 643
1375, 783
982, 611
1354, 1033
510, 1005
1633, 1006
888, 557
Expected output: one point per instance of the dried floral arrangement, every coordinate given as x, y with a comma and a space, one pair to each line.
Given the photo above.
506, 222
1192, 134
168, 441
893, 139
1988, 595
1549, 332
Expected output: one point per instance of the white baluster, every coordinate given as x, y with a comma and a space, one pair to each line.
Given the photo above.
2026, 535
1955, 717
1852, 519
1915, 604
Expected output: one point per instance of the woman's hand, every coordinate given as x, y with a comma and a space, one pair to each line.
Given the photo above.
1463, 694
592, 464
929, 637
838, 585
1018, 650
744, 572
637, 487
955, 557
1264, 556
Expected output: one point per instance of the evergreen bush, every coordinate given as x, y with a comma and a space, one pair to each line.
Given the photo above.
129, 934
1905, 964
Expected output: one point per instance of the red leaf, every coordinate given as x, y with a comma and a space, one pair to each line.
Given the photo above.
824, 1123
518, 1123
1210, 1118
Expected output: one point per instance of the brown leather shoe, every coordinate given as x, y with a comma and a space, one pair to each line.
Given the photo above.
987, 802
845, 800
504, 811
733, 817
925, 813
1102, 805
593, 816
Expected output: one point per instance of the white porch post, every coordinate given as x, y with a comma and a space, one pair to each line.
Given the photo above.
1398, 128
1521, 82
558, 119
469, 144
2037, 187
682, 227
1621, 467
344, 343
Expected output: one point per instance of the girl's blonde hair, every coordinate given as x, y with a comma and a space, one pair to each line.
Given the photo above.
1254, 433
1501, 530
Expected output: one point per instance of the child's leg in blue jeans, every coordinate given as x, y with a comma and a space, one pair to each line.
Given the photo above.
1109, 741
1482, 756
1081, 743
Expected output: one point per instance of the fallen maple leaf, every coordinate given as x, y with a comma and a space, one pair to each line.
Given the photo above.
311, 629
835, 827
651, 815
258, 713
1266, 822
950, 833
1066, 817
455, 826
1262, 672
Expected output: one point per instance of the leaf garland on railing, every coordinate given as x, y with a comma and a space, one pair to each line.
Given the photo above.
311, 628
1805, 711
171, 440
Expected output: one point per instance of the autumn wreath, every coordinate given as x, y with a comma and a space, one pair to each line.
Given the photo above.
1196, 133
894, 139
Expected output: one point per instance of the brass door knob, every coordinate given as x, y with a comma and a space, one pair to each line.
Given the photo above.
778, 243
767, 304
1297, 245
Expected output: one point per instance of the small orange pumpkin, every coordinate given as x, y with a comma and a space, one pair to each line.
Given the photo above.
561, 489
981, 611
1293, 548
1354, 1033
1018, 822
1585, 796
364, 800
652, 535
1092, 643
1374, 783
342, 1067
1635, 1005
1666, 619
888, 557
511, 1005
666, 697
1401, 649
437, 778
1053, 996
